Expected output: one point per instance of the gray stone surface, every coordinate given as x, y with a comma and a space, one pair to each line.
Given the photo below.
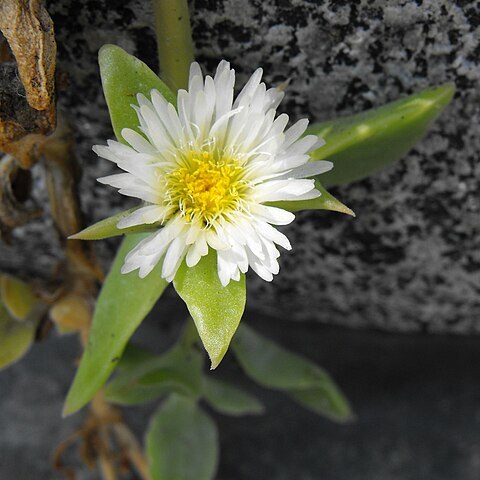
411, 259
416, 398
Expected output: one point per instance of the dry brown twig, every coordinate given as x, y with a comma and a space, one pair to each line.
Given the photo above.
104, 439
15, 186
27, 107
27, 118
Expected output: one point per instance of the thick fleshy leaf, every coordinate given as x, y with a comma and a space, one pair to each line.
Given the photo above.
271, 366
123, 77
179, 370
230, 400
133, 357
123, 303
15, 338
325, 401
107, 228
17, 297
361, 144
182, 442
325, 202
216, 310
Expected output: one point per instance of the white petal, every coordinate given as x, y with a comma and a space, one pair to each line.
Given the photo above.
157, 129
141, 216
236, 275
259, 268
172, 229
105, 152
274, 215
224, 83
309, 169
320, 143
249, 89
193, 232
139, 143
295, 132
193, 256
223, 267
196, 251
277, 190
241, 258
271, 233
214, 240
119, 180
147, 267
195, 80
183, 105
314, 193
173, 257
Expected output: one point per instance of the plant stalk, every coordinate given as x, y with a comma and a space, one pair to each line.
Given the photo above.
174, 41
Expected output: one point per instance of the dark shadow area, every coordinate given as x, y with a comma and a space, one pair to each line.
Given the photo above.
416, 398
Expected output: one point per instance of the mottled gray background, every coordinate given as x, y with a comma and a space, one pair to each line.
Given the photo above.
410, 261
411, 258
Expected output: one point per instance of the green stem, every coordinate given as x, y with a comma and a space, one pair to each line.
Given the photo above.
174, 41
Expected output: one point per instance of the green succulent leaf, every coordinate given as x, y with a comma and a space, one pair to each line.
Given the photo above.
133, 357
271, 366
325, 202
15, 338
360, 145
325, 401
230, 400
123, 77
182, 442
123, 303
107, 228
17, 297
216, 310
177, 371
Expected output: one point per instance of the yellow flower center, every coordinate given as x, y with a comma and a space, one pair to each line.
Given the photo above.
206, 186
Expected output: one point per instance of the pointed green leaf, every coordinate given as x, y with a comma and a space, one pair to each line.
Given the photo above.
107, 228
123, 76
325, 202
230, 400
361, 144
133, 357
182, 442
324, 400
179, 370
123, 303
216, 310
15, 338
272, 366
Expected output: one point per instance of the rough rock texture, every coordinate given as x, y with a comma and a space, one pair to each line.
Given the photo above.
411, 258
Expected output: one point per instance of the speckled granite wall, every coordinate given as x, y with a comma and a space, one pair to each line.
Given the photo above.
411, 258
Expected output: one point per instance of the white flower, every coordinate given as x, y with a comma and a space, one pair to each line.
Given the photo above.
207, 170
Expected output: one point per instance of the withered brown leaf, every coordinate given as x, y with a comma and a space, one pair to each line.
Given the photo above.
28, 29
27, 108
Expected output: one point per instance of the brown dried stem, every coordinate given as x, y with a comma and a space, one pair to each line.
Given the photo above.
27, 116
28, 28
27, 108
14, 191
102, 431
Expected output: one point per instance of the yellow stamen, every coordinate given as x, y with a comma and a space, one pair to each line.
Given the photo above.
206, 186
